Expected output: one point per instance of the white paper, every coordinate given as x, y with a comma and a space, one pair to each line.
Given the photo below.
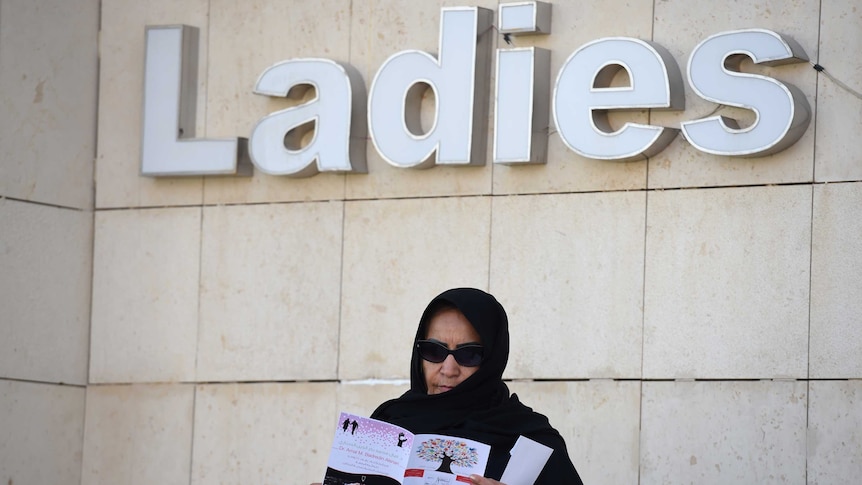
527, 460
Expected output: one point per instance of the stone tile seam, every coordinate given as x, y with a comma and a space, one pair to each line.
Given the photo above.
46, 204
465, 196
366, 382
46, 383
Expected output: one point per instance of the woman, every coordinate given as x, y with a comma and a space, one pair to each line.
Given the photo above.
456, 387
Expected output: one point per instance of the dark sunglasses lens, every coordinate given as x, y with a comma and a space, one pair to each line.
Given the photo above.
468, 356
433, 352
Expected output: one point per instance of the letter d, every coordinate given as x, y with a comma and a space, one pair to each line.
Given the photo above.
459, 79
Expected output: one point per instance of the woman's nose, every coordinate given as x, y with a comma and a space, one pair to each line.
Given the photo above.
450, 366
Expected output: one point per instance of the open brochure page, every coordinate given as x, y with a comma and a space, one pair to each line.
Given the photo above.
444, 460
370, 452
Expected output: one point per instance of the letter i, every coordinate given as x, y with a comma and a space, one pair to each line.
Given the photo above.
523, 91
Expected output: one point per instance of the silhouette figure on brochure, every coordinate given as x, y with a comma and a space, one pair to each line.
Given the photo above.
349, 424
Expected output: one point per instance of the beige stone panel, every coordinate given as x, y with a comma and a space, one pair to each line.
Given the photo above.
838, 151
48, 83
836, 292
267, 433
145, 295
599, 419
41, 433
574, 24
245, 39
138, 434
270, 282
398, 255
834, 432
363, 397
383, 28
723, 432
379, 30
568, 268
262, 187
681, 165
727, 283
121, 90
45, 273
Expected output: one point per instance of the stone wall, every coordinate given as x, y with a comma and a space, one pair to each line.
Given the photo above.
48, 98
690, 318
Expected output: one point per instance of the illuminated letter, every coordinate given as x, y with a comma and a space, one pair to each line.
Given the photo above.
168, 147
522, 100
781, 110
582, 94
336, 114
525, 18
459, 80
521, 115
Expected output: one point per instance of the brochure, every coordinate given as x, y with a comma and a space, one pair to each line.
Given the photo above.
366, 451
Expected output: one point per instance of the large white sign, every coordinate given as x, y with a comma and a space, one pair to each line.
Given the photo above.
582, 96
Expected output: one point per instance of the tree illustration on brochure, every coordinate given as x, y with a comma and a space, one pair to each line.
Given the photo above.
448, 452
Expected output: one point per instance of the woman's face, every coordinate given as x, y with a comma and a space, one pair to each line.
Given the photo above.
451, 328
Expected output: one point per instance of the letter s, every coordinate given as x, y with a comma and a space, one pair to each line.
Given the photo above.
781, 110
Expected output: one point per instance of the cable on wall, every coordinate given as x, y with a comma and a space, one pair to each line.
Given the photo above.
822, 70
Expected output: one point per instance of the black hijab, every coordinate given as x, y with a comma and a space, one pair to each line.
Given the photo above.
480, 408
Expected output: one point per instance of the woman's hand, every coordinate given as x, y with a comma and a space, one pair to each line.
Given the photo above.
477, 480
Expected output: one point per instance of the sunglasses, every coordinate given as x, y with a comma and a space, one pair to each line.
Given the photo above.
469, 355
